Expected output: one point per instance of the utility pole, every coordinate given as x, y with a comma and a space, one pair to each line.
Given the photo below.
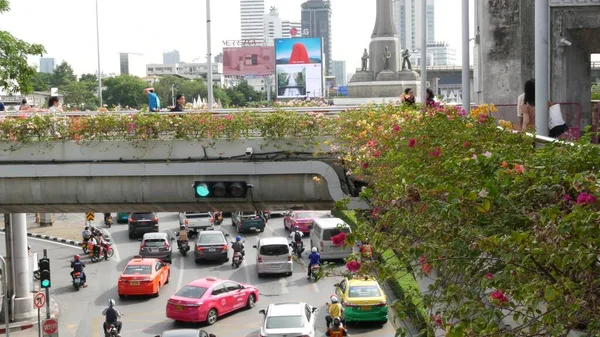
209, 77
98, 47
173, 94
424, 51
466, 81
541, 67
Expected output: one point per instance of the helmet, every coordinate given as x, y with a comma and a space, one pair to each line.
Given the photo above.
314, 249
111, 303
76, 257
336, 321
238, 238
182, 226
87, 228
296, 228
333, 299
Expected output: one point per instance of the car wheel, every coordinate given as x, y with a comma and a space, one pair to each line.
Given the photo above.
288, 274
262, 229
168, 277
211, 317
197, 261
251, 301
121, 296
157, 291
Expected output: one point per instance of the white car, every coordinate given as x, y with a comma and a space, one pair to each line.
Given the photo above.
289, 319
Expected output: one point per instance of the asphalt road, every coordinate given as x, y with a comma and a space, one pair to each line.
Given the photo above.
80, 312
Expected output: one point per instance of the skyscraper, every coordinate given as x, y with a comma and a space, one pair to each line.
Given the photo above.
252, 14
273, 25
316, 20
407, 20
124, 63
47, 65
171, 57
339, 71
286, 28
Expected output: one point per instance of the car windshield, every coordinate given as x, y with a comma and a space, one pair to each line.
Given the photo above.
154, 243
308, 215
284, 322
191, 292
274, 250
211, 238
328, 233
142, 215
364, 291
140, 269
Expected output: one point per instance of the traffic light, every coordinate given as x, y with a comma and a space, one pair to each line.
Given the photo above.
221, 189
44, 265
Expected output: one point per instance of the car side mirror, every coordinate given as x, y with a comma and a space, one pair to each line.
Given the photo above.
226, 234
314, 309
262, 312
254, 246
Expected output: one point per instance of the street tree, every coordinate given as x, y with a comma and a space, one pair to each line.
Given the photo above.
125, 90
16, 74
42, 81
80, 94
88, 78
63, 75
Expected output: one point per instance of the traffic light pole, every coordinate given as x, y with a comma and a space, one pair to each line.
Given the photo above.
47, 293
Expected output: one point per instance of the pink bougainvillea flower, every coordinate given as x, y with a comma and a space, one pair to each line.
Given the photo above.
519, 169
474, 157
353, 266
365, 165
422, 259
377, 154
586, 199
412, 142
489, 276
436, 152
499, 296
504, 164
437, 319
487, 154
396, 128
426, 268
339, 239
467, 144
229, 117
371, 143
567, 198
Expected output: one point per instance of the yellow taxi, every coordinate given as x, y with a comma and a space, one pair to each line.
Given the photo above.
143, 276
363, 300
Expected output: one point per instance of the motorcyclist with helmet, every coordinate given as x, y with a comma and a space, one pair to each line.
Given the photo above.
296, 236
86, 234
313, 258
77, 265
335, 309
336, 330
182, 236
112, 317
238, 246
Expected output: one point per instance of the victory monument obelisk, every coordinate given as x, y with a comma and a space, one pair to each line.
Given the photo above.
383, 76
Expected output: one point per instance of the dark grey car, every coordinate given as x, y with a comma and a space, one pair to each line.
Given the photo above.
186, 333
156, 245
212, 246
141, 223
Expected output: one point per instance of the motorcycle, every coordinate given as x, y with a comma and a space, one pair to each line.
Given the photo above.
297, 248
183, 246
77, 282
237, 259
84, 247
111, 331
218, 218
108, 221
315, 269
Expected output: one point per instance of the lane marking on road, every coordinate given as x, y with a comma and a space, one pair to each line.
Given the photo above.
96, 326
116, 257
180, 276
283, 282
315, 287
50, 241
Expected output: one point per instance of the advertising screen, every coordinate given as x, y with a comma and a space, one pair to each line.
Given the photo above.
299, 67
253, 60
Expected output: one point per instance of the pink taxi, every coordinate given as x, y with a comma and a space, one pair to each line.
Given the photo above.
302, 219
205, 299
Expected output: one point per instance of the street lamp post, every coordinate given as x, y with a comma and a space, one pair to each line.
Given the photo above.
466, 81
209, 74
173, 94
98, 47
424, 51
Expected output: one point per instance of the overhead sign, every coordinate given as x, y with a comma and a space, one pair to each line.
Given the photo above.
244, 43
39, 300
50, 328
89, 216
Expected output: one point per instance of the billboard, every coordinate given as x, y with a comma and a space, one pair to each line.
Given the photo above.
299, 67
252, 60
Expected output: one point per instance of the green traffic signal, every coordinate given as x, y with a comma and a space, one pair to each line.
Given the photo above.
45, 283
202, 190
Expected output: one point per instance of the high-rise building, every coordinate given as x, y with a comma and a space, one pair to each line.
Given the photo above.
252, 15
273, 25
316, 20
171, 57
124, 63
339, 71
443, 55
286, 28
407, 20
47, 65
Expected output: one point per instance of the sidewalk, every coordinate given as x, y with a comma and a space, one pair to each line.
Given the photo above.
30, 328
61, 228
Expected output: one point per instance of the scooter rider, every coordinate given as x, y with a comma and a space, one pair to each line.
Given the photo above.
86, 234
182, 235
297, 235
112, 316
335, 310
238, 246
106, 216
337, 330
77, 265
313, 258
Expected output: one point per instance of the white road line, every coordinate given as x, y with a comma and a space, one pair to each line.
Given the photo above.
180, 280
315, 287
116, 257
283, 282
50, 241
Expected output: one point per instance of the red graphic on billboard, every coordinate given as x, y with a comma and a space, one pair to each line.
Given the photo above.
293, 31
299, 54
249, 61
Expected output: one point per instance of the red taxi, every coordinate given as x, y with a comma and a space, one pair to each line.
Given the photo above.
302, 219
206, 299
143, 276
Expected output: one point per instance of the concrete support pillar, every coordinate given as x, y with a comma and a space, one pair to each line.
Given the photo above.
23, 305
541, 66
46, 219
466, 72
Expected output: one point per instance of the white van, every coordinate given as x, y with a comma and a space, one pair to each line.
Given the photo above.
320, 236
273, 256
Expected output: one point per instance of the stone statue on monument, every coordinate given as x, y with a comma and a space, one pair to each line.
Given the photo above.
387, 55
406, 60
364, 59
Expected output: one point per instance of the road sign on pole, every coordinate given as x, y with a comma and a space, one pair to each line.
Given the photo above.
39, 300
89, 216
50, 328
